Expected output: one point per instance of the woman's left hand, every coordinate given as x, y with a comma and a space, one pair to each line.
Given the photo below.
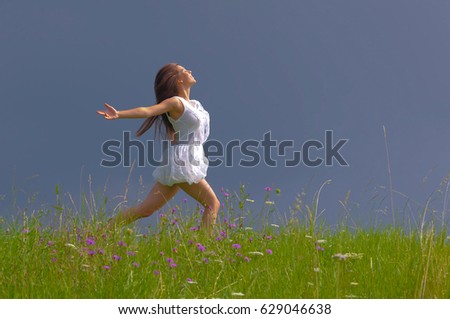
110, 113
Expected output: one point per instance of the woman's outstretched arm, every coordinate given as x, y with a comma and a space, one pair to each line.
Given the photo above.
169, 105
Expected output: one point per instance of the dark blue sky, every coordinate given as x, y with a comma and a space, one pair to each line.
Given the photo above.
295, 68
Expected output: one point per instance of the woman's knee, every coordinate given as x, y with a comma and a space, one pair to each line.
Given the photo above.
140, 213
146, 213
213, 204
147, 208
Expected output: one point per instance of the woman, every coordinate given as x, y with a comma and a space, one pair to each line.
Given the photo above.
186, 124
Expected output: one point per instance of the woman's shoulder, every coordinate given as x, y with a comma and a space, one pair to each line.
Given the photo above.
174, 100
180, 100
176, 106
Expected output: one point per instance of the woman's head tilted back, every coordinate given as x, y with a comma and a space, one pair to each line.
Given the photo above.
165, 87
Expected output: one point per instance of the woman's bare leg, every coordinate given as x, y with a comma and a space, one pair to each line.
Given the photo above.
204, 194
158, 196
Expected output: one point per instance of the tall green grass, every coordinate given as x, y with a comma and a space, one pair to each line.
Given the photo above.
251, 254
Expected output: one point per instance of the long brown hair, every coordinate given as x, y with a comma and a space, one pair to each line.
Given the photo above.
165, 87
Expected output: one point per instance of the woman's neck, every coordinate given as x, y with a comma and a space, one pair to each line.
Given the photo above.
185, 93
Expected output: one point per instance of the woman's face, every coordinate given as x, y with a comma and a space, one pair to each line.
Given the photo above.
185, 76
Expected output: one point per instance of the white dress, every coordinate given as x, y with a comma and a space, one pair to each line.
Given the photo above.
185, 160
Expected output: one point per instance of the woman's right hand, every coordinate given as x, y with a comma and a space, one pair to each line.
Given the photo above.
110, 113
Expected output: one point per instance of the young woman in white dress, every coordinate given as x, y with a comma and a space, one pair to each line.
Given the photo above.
186, 124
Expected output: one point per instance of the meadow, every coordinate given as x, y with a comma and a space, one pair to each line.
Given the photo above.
252, 253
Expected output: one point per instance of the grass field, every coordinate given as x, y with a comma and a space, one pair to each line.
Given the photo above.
71, 256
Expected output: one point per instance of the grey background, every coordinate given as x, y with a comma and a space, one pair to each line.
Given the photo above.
295, 68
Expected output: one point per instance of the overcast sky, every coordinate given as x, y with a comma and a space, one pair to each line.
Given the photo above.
294, 68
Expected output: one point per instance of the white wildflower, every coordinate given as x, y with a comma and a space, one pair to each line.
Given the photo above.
240, 294
340, 256
256, 253
275, 225
250, 200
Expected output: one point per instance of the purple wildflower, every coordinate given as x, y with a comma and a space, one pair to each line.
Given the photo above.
319, 248
101, 251
161, 253
268, 189
135, 264
205, 260
268, 237
156, 272
131, 253
219, 238
25, 231
91, 252
200, 247
174, 222
116, 257
223, 234
173, 265
106, 267
269, 251
236, 246
247, 259
169, 260
185, 200
121, 243
90, 241
189, 280
194, 228
50, 243
54, 259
